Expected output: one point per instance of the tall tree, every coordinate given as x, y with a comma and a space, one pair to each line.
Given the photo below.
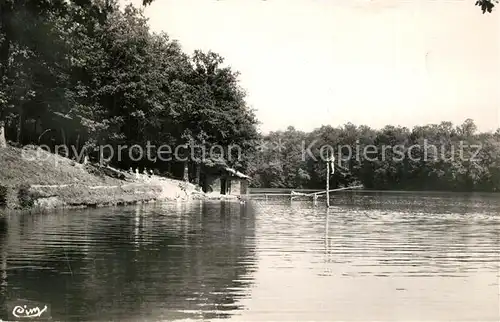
485, 5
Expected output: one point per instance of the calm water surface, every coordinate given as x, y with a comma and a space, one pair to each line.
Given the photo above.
371, 257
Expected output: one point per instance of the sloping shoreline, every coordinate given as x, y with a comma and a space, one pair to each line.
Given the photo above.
32, 179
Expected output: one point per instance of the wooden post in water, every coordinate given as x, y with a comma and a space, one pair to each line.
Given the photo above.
327, 228
328, 183
329, 163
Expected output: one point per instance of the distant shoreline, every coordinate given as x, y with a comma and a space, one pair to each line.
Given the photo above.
276, 190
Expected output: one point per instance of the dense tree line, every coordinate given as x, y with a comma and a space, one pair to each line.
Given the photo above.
84, 73
431, 157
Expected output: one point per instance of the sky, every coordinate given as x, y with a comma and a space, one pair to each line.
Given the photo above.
308, 63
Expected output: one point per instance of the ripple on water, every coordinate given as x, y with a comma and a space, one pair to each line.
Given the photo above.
398, 257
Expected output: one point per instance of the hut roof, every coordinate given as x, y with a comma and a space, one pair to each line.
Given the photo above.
221, 165
236, 173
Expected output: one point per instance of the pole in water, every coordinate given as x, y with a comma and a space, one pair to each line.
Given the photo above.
329, 163
328, 182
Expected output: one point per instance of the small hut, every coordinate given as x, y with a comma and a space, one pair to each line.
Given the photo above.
224, 180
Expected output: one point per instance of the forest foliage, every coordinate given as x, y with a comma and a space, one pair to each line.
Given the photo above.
431, 157
84, 73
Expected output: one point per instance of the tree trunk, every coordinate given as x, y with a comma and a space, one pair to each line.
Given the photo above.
198, 173
186, 172
77, 147
3, 141
20, 126
63, 135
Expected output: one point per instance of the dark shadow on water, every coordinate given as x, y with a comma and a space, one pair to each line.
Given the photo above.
126, 263
3, 267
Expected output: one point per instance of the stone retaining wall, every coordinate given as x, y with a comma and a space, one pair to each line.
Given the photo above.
70, 196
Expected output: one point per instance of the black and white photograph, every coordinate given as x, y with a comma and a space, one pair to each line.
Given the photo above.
250, 160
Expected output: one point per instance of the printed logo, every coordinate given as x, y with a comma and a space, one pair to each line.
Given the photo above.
23, 310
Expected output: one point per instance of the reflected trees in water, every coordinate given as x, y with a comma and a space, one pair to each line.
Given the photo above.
121, 262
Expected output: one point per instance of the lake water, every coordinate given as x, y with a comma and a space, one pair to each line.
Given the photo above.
371, 257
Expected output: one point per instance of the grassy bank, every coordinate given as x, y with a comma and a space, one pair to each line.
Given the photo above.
31, 178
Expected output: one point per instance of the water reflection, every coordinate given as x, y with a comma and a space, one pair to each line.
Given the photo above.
174, 261
382, 257
3, 267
